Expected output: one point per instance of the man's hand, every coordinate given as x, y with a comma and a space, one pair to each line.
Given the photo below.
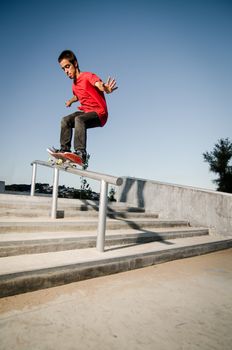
110, 85
70, 102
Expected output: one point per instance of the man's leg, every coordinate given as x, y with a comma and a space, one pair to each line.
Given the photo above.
67, 124
84, 121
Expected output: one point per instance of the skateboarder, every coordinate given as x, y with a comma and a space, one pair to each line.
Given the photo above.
89, 90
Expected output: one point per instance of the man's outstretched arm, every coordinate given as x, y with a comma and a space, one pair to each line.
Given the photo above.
71, 101
107, 87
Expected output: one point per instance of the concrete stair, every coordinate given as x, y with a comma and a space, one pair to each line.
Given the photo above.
40, 207
37, 252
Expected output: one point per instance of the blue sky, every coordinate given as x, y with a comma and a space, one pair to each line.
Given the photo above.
172, 61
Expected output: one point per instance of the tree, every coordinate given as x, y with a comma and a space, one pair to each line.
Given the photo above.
219, 159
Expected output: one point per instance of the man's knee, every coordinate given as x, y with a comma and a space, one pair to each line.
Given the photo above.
64, 122
79, 119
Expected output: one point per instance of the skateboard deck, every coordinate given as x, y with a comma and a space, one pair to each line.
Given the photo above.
65, 158
73, 158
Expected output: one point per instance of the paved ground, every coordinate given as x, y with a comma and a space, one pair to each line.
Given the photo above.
184, 304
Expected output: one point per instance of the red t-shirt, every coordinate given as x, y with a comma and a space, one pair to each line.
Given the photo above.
90, 97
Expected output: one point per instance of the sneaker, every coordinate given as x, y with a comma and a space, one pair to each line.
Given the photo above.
82, 155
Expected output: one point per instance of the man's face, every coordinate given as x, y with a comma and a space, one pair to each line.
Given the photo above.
68, 68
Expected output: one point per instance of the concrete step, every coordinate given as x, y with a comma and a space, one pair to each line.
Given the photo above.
24, 273
8, 201
33, 225
19, 206
31, 243
68, 213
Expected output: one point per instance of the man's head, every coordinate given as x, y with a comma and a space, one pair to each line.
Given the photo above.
69, 64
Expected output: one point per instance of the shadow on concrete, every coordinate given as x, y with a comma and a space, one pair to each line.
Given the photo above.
140, 189
141, 239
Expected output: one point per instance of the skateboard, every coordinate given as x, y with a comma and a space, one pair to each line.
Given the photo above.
73, 158
65, 158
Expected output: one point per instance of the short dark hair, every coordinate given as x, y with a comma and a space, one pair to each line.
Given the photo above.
68, 55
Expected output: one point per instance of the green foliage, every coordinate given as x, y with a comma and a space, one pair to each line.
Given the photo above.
219, 159
112, 194
86, 191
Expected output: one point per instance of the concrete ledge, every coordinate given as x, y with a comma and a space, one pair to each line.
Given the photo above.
200, 207
17, 283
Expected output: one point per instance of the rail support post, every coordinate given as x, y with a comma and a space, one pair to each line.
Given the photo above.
55, 193
33, 179
102, 216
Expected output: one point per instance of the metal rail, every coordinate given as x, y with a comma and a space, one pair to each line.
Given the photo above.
104, 180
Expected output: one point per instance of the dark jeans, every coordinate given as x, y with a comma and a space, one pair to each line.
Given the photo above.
80, 121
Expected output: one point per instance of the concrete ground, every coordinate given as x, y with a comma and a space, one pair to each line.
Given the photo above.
183, 304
